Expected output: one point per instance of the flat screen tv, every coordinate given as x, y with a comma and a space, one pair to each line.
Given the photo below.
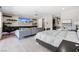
24, 19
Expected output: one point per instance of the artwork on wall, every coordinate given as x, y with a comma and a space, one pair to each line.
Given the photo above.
23, 19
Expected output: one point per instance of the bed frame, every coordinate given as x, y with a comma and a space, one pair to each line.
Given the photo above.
46, 45
68, 46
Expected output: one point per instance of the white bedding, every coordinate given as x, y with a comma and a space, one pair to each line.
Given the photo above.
72, 36
55, 37
45, 35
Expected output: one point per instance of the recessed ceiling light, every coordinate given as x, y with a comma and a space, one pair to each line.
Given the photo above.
62, 8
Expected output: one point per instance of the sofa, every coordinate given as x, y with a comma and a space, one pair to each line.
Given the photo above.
25, 32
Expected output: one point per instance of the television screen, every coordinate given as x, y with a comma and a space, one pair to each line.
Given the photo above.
24, 19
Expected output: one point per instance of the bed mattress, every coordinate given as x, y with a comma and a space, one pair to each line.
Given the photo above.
55, 37
72, 36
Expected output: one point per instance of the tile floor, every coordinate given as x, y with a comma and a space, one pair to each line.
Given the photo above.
12, 44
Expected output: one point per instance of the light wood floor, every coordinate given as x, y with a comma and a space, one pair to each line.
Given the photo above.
12, 44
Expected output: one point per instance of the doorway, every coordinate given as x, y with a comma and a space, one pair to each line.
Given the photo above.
54, 24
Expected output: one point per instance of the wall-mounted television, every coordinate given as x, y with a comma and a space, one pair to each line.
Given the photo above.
23, 19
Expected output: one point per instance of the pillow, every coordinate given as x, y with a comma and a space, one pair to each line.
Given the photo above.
70, 28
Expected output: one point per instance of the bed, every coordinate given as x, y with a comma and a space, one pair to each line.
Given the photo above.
51, 39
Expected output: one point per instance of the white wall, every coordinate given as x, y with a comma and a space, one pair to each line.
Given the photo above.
1, 24
47, 22
72, 14
39, 23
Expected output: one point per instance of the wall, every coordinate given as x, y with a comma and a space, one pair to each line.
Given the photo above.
48, 21
71, 14
1, 24
39, 23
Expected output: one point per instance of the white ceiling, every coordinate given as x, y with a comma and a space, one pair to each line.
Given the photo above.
32, 11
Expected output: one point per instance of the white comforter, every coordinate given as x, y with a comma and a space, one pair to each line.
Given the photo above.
55, 37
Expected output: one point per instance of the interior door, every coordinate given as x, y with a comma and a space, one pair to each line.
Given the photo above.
43, 24
54, 27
